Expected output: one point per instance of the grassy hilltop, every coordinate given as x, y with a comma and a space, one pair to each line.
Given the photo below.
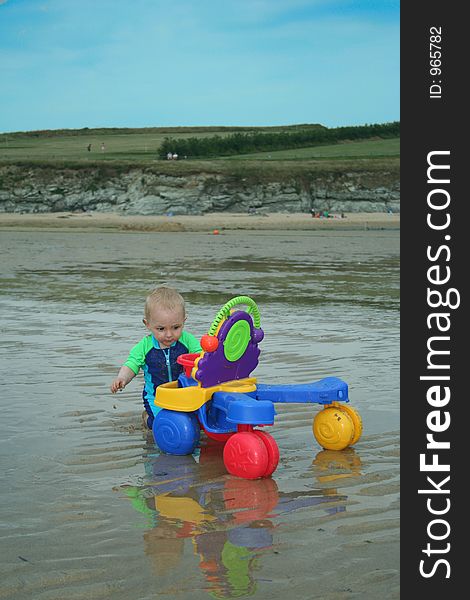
125, 148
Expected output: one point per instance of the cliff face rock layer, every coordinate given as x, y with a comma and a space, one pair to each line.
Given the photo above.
144, 191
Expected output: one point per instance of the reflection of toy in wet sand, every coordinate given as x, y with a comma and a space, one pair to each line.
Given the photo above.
230, 522
217, 394
332, 466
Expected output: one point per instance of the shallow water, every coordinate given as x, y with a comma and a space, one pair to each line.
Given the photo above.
91, 509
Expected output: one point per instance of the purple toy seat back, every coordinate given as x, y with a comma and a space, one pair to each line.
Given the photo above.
214, 367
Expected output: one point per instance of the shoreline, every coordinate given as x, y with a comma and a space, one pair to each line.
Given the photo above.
196, 223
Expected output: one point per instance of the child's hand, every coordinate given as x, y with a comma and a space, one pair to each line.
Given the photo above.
118, 384
122, 379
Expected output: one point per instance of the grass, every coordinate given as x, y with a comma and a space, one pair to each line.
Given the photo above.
137, 147
141, 146
362, 149
127, 148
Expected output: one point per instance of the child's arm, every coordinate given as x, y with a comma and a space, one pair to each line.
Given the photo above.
123, 377
133, 364
191, 342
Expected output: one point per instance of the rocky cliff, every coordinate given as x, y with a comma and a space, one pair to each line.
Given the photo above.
146, 191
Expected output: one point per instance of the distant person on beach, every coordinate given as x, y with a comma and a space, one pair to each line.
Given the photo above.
156, 353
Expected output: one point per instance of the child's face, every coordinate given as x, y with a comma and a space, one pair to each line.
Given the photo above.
165, 325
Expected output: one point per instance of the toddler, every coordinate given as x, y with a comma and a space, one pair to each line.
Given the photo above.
156, 353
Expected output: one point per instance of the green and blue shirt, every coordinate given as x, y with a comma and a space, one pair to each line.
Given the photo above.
159, 364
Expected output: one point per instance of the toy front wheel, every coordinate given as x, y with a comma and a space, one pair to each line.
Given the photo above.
176, 432
272, 448
246, 455
251, 454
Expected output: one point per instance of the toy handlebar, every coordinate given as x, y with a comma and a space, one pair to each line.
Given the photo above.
225, 312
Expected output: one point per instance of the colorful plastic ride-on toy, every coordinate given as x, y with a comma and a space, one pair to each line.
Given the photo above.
216, 393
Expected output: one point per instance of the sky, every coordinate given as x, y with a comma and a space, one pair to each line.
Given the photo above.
69, 64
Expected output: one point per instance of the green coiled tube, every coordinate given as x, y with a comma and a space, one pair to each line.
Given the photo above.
225, 312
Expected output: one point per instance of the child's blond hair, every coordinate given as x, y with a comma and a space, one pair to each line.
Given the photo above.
165, 297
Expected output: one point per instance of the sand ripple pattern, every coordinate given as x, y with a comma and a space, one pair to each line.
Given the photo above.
92, 510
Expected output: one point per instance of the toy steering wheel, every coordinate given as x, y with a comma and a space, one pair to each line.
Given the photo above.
239, 335
224, 312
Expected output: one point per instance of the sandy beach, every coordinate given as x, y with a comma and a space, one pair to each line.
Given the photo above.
206, 222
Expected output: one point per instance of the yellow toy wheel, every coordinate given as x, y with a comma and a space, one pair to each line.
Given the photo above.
333, 429
355, 417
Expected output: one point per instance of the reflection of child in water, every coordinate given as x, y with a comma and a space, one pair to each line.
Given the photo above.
156, 354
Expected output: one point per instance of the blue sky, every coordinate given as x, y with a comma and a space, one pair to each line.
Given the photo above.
138, 63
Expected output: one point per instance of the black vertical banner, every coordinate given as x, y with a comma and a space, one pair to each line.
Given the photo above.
434, 340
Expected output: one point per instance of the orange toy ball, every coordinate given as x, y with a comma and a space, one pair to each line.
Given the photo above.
209, 343
216, 232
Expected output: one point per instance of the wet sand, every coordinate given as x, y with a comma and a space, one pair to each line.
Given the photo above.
91, 509
207, 222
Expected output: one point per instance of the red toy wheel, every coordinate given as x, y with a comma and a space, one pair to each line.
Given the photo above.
273, 451
246, 455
